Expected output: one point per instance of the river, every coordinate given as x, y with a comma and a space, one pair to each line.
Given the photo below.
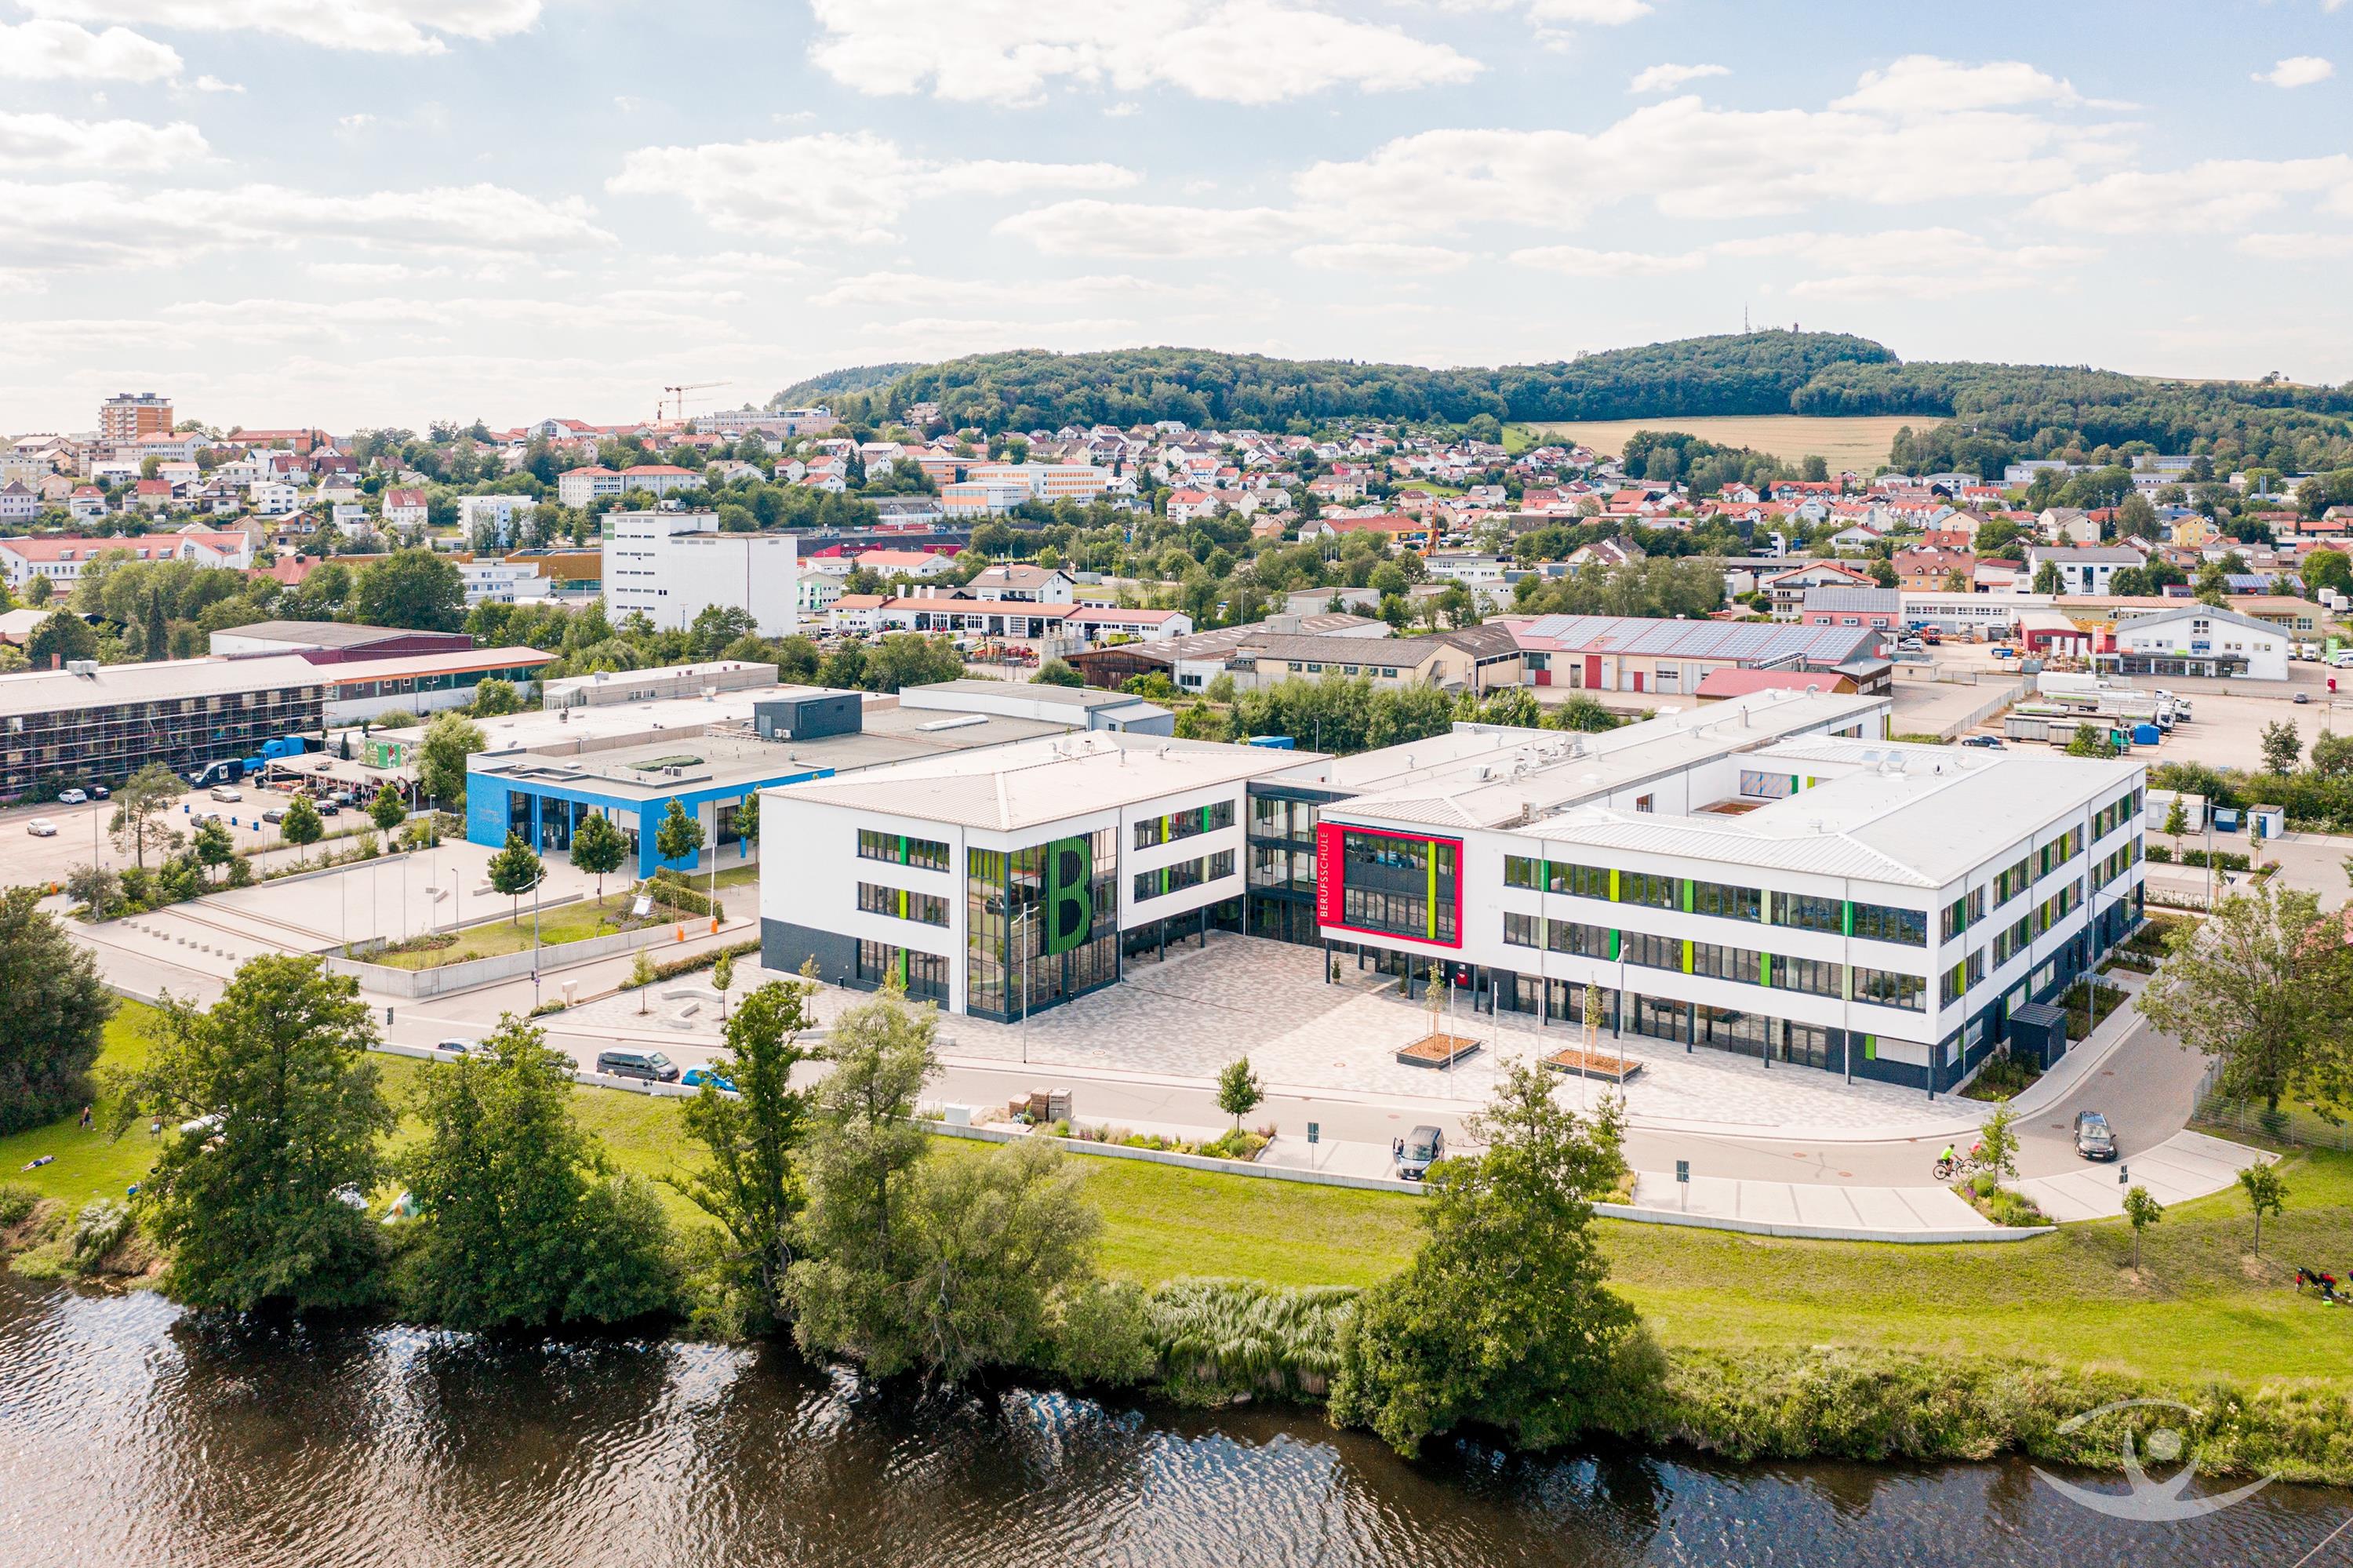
129, 1435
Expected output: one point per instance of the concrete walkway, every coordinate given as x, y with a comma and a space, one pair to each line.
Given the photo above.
2187, 1165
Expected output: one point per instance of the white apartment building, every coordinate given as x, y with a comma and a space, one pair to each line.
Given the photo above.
272, 497
672, 565
1045, 481
495, 581
502, 514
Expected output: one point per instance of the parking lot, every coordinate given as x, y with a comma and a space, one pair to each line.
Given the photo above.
27, 859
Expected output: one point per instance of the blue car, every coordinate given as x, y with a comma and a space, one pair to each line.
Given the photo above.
697, 1076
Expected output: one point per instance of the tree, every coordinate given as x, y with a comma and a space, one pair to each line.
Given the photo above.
679, 836
1503, 1317
1883, 572
2091, 740
301, 826
388, 810
139, 807
750, 1183
747, 819
254, 1200
2326, 569
1998, 1137
2046, 579
212, 846
2176, 824
863, 1146
2267, 1194
515, 871
38, 592
155, 639
722, 979
642, 977
1057, 672
2143, 1212
449, 740
2263, 983
1239, 1090
58, 1009
61, 638
2332, 754
599, 848
522, 1221
493, 697
2282, 745
416, 589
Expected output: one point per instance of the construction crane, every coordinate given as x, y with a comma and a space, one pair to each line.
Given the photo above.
677, 397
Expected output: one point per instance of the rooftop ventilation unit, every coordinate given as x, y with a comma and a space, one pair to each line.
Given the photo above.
959, 721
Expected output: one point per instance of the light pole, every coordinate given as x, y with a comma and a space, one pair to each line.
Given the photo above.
1022, 937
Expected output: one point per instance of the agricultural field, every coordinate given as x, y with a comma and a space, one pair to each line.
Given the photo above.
1858, 443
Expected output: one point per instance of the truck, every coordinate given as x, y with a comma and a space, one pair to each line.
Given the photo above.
232, 770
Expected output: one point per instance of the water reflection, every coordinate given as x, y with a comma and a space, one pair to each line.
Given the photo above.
128, 1436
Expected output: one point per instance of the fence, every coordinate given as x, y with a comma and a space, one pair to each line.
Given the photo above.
1986, 710
2291, 1124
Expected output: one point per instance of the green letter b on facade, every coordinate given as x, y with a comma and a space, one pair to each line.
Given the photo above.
1069, 896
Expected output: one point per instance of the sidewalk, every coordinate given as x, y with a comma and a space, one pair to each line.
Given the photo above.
2187, 1165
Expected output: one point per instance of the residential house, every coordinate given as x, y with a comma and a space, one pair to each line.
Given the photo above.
403, 509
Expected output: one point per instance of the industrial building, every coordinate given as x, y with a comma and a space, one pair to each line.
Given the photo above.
672, 565
1670, 658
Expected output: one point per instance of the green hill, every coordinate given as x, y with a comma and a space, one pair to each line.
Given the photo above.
1972, 416
840, 383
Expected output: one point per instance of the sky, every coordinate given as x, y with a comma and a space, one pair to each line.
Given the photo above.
385, 212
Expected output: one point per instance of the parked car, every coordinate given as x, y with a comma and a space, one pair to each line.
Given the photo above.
226, 792
2301, 697
2094, 1141
1990, 742
275, 814
329, 809
1416, 1151
41, 828
1912, 645
651, 1065
697, 1076
99, 792
457, 1047
71, 797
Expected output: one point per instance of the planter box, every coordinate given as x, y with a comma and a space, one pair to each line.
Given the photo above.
1441, 1051
1593, 1064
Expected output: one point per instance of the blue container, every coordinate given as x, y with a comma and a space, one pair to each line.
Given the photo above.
1272, 742
2226, 819
2145, 735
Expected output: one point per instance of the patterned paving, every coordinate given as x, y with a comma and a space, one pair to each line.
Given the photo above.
1190, 1015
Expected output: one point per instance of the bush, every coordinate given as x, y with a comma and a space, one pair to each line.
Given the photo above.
17, 1201
1103, 1336
101, 1226
394, 720
670, 888
1220, 1339
697, 964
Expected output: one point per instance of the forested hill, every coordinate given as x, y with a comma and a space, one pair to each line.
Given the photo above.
1752, 372
835, 383
1974, 415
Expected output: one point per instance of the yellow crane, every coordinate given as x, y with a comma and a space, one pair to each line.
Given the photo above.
676, 396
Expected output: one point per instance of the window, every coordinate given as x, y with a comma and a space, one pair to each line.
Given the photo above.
1645, 802
1726, 902
1727, 963
1653, 952
1522, 930
927, 854
1580, 880
1964, 912
2009, 884
1186, 873
1402, 914
2009, 944
924, 975
1885, 923
1179, 825
1587, 941
927, 909
1520, 871
1649, 888
1889, 989
1804, 912
1813, 976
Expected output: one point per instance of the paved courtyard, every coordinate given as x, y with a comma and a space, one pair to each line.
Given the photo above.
1190, 1015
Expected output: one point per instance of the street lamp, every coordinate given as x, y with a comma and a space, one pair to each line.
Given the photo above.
1017, 924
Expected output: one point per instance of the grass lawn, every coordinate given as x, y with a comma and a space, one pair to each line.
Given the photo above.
2198, 1306
562, 922
1860, 442
731, 876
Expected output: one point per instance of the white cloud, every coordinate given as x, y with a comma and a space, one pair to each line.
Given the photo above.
2214, 197
1691, 161
79, 225
1143, 232
355, 121
1577, 261
830, 186
2326, 247
45, 142
1383, 259
1667, 78
370, 271
1590, 12
908, 290
46, 49
387, 27
215, 84
1924, 84
1010, 52
2297, 71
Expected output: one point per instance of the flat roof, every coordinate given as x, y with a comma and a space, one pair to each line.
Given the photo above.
1644, 637
1040, 782
1026, 691
325, 633
454, 663
721, 757
28, 692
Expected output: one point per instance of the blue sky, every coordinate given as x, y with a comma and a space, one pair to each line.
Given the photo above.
387, 211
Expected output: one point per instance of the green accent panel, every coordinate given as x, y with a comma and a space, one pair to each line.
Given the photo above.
1687, 947
1871, 1047
1613, 891
1687, 894
903, 849
1070, 896
1764, 969
1846, 916
1429, 900
1613, 936
902, 969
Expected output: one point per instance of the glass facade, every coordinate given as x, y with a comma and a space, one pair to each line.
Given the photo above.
1008, 917
923, 976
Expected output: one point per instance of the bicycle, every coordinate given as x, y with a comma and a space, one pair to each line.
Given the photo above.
1959, 1165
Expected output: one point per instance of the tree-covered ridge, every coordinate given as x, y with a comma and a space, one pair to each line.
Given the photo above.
841, 383
1749, 372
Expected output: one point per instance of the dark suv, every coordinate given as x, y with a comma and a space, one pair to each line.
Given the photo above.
651, 1065
2094, 1141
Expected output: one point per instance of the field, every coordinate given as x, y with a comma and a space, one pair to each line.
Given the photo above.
2198, 1306
1858, 443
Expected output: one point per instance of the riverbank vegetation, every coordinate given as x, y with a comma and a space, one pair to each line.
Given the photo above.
827, 1216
